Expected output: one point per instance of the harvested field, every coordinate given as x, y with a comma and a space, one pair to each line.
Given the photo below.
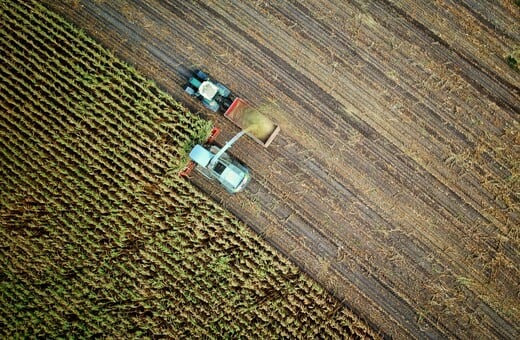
100, 236
395, 178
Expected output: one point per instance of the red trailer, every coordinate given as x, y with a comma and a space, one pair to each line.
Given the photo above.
246, 118
218, 97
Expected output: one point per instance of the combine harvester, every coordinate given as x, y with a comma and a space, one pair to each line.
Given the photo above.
212, 161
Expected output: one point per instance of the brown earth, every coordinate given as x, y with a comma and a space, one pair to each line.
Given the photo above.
395, 179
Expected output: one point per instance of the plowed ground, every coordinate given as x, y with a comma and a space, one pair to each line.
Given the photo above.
395, 179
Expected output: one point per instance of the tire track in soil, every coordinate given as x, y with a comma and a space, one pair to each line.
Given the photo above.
305, 83
293, 216
479, 10
491, 84
457, 198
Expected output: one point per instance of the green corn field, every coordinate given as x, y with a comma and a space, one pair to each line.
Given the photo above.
99, 235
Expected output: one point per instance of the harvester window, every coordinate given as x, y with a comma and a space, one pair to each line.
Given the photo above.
219, 168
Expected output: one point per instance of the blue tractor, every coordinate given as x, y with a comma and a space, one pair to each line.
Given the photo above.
212, 94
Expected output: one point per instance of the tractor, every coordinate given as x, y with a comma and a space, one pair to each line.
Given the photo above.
212, 161
212, 94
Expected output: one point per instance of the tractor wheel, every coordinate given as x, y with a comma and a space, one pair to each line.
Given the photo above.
189, 90
226, 103
224, 91
201, 75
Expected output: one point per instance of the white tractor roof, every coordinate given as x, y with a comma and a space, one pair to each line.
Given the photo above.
208, 90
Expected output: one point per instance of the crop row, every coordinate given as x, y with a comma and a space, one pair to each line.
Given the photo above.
108, 103
162, 271
101, 237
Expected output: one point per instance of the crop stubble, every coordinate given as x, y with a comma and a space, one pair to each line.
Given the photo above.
100, 235
395, 178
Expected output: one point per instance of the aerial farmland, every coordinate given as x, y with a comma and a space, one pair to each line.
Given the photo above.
387, 205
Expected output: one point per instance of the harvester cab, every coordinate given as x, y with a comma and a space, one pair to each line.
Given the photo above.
214, 163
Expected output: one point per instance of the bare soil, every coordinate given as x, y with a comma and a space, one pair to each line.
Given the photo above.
394, 181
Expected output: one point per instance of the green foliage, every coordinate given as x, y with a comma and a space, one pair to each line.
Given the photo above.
513, 60
97, 239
